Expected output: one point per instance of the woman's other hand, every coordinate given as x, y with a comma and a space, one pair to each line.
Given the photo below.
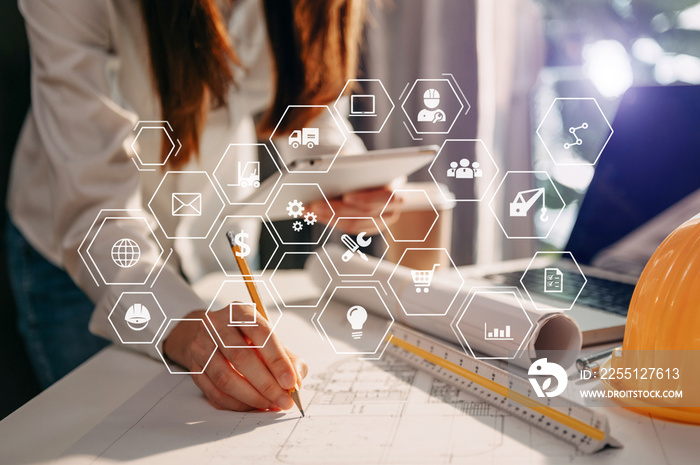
361, 204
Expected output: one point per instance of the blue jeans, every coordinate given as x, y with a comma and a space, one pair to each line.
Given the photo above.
53, 313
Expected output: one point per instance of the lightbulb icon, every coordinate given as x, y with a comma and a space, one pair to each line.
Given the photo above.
357, 316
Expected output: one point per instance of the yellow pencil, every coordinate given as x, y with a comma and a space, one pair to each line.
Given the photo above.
255, 296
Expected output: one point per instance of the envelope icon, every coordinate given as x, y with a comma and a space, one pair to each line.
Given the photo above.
187, 204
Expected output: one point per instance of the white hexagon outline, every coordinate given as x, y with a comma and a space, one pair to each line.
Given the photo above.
277, 167
439, 184
92, 226
554, 252
340, 130
601, 149
275, 307
165, 317
498, 220
489, 290
437, 215
323, 246
217, 236
346, 123
162, 357
398, 299
279, 191
94, 263
458, 114
381, 340
216, 191
162, 125
321, 295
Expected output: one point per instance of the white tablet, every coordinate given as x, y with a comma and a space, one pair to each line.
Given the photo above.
347, 173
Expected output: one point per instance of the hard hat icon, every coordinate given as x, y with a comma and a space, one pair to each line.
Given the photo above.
431, 98
663, 328
137, 317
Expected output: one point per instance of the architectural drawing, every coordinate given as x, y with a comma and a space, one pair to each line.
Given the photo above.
358, 411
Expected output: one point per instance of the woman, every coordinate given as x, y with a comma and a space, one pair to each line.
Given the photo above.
205, 66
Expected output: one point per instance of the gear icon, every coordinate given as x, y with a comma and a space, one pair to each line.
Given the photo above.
295, 208
310, 218
297, 226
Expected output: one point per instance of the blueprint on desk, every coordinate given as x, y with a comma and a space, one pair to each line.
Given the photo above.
358, 411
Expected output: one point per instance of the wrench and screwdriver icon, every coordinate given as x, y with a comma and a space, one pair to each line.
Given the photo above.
354, 246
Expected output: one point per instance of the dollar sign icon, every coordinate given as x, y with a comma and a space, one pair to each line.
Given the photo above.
244, 249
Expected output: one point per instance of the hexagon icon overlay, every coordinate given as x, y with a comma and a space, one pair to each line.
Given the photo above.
438, 106
293, 202
133, 313
238, 173
153, 134
349, 327
309, 140
540, 205
348, 258
186, 197
230, 303
500, 332
418, 291
575, 131
127, 249
550, 282
247, 230
419, 199
172, 367
291, 296
461, 171
368, 109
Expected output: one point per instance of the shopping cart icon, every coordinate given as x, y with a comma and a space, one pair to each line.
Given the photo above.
423, 278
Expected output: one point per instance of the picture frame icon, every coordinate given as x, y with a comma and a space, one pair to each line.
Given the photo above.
234, 315
186, 204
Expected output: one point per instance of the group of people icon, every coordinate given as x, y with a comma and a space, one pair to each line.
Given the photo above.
463, 170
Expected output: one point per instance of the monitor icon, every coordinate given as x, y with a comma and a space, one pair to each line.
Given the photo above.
362, 105
234, 314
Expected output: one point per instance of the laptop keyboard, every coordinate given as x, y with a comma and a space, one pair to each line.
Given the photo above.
603, 294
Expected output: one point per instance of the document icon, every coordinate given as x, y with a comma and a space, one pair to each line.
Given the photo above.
553, 280
187, 204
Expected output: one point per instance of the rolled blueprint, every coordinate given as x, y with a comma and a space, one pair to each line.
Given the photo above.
497, 323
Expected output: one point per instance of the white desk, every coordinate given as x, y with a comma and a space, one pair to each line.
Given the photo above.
49, 424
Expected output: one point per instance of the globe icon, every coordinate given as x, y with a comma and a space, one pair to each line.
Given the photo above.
125, 253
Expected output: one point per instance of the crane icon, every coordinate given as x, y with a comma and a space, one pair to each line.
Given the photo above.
520, 207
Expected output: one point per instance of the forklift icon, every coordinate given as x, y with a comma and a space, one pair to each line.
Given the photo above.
248, 175
305, 136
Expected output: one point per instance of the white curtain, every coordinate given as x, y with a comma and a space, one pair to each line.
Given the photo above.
494, 49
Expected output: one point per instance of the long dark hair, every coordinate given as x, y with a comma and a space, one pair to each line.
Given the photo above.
314, 46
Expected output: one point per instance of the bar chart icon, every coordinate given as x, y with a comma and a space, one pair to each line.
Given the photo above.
496, 334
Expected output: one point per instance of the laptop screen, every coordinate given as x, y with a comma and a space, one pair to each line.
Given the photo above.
651, 162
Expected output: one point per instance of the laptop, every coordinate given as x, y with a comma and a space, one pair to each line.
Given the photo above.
650, 164
362, 105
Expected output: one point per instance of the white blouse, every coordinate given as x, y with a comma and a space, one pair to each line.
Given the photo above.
91, 85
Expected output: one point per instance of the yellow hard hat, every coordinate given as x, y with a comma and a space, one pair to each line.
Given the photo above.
663, 330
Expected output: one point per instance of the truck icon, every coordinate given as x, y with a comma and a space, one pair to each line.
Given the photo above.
305, 136
248, 175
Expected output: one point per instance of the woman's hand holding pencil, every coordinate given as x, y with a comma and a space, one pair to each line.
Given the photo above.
238, 379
